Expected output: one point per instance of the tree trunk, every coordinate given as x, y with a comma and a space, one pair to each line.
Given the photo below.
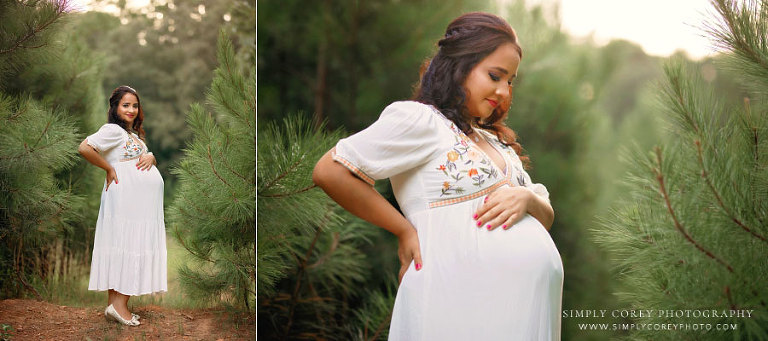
322, 68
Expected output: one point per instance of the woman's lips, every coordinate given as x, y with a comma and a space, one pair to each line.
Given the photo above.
492, 102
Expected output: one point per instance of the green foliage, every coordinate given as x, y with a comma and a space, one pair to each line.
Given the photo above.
345, 61
312, 269
693, 225
742, 28
287, 204
25, 27
34, 143
49, 89
7, 332
213, 213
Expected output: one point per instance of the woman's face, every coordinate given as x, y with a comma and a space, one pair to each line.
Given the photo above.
128, 108
490, 81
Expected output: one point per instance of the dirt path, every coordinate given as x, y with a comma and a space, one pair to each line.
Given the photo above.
34, 320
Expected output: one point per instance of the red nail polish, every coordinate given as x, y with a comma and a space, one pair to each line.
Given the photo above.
489, 227
479, 223
418, 266
486, 199
504, 227
474, 216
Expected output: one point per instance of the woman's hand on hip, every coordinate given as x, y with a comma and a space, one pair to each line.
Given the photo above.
408, 250
503, 207
111, 176
145, 162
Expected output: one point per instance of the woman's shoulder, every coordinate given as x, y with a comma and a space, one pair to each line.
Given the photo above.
411, 110
112, 126
111, 129
409, 105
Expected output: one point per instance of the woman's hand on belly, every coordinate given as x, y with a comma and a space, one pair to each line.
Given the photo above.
507, 205
145, 162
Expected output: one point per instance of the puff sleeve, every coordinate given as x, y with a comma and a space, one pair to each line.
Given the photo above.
405, 136
524, 179
109, 136
537, 188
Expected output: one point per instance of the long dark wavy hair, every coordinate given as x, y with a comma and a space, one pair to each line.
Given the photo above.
468, 40
114, 101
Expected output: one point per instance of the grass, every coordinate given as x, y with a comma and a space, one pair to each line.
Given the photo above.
74, 291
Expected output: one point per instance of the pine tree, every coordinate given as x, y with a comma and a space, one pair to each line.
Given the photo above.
213, 213
312, 269
42, 234
693, 234
35, 142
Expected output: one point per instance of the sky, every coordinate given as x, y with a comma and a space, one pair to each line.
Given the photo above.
660, 26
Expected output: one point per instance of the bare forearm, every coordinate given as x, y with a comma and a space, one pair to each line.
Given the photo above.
540, 209
93, 156
358, 197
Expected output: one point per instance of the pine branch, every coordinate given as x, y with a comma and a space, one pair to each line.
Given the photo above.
732, 37
680, 102
381, 326
323, 258
22, 110
213, 168
678, 225
28, 151
183, 244
229, 168
280, 195
295, 294
284, 174
316, 297
755, 140
60, 10
226, 55
231, 109
206, 213
728, 212
45, 131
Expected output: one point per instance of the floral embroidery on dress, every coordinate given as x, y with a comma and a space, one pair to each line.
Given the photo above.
132, 149
462, 154
520, 174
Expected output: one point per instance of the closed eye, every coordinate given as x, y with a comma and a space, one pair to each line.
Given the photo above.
494, 77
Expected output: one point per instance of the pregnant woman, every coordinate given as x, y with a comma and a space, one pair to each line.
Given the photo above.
477, 261
129, 252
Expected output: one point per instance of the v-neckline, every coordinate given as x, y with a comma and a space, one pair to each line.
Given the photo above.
131, 135
490, 159
503, 171
135, 139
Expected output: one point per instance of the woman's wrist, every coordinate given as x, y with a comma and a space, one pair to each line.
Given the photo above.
404, 232
540, 209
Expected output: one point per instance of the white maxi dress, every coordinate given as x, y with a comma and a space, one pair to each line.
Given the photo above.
475, 284
129, 250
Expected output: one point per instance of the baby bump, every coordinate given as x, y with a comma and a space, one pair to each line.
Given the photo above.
525, 248
135, 190
128, 173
